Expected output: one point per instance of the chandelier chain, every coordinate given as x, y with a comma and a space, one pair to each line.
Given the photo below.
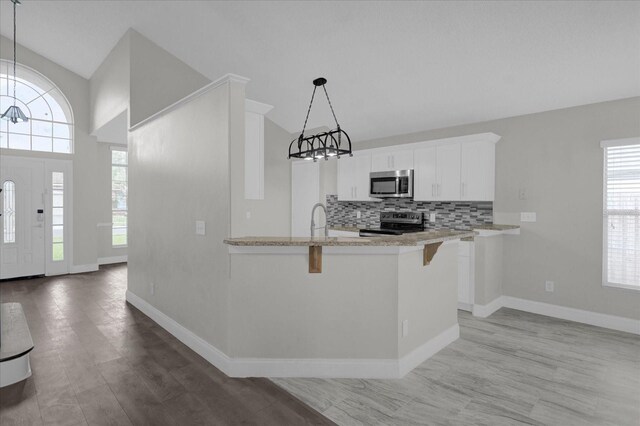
330, 106
14, 53
308, 111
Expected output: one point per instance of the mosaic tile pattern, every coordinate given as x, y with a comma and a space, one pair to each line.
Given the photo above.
462, 215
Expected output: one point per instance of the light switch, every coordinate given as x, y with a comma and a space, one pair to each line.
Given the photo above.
200, 227
527, 216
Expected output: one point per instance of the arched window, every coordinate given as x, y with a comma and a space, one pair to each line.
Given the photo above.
50, 125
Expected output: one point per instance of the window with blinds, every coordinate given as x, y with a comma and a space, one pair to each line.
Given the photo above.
621, 252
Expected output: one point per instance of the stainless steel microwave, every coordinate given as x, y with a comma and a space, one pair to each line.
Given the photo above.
392, 184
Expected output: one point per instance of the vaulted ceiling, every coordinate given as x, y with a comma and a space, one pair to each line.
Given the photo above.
392, 67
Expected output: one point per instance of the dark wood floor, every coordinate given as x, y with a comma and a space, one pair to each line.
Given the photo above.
98, 360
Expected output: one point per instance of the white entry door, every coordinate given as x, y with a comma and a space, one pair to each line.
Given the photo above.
22, 205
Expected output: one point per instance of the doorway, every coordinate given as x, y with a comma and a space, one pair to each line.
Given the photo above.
35, 221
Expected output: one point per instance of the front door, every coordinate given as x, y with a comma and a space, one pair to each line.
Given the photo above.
22, 224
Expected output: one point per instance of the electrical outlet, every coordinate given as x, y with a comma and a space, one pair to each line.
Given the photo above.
548, 286
405, 328
152, 288
248, 214
527, 217
522, 194
432, 217
358, 214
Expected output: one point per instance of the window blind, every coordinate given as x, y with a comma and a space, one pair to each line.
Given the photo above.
622, 215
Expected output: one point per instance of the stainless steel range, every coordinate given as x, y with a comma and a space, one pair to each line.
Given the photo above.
396, 223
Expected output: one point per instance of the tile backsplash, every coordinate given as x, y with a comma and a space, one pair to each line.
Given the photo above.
454, 214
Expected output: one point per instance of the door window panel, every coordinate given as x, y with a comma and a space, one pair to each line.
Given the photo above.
9, 211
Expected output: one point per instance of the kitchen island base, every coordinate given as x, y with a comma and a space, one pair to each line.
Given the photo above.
373, 312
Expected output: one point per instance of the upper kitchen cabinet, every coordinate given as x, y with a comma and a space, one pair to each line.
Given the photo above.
353, 177
392, 159
478, 171
254, 149
437, 173
455, 169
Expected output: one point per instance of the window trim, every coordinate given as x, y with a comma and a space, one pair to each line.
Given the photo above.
605, 253
125, 150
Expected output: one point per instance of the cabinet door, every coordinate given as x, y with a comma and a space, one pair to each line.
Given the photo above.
478, 171
424, 178
362, 170
392, 160
402, 160
381, 162
448, 171
346, 178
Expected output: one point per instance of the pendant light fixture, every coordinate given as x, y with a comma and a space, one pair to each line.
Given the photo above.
14, 113
333, 143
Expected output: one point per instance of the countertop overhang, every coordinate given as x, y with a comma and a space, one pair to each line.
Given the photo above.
407, 240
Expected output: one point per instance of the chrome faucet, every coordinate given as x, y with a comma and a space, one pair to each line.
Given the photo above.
313, 224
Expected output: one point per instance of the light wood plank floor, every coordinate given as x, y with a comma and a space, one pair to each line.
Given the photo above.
511, 368
99, 361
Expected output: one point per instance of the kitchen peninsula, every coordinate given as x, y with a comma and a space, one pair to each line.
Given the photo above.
343, 307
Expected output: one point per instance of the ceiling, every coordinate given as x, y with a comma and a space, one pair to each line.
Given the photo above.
392, 67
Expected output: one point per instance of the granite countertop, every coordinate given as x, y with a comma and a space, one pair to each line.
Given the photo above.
407, 240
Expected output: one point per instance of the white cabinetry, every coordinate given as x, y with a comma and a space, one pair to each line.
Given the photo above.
478, 171
437, 173
392, 160
305, 192
254, 149
353, 177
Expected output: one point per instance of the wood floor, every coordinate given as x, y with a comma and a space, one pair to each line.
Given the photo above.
100, 361
511, 368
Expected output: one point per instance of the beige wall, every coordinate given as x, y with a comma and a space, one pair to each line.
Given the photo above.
76, 89
277, 309
157, 79
556, 158
427, 295
489, 268
179, 173
109, 85
272, 215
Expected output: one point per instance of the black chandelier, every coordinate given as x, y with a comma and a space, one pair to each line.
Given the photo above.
322, 145
14, 113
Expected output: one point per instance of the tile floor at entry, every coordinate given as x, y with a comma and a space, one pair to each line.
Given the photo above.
98, 360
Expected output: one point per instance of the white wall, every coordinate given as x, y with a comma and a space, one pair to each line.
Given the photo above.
76, 89
179, 173
556, 158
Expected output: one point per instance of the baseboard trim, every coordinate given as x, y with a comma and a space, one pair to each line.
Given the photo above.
484, 311
465, 306
80, 269
112, 259
282, 367
196, 343
613, 322
428, 349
